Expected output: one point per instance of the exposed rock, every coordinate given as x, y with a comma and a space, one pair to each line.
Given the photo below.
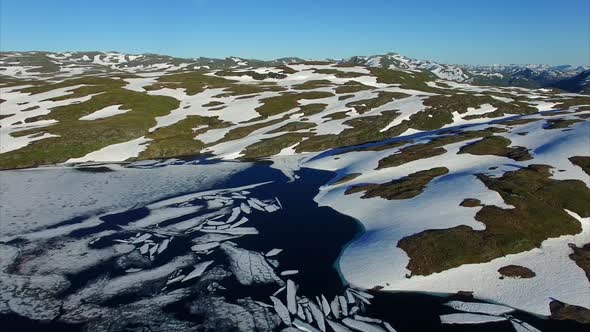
516, 271
560, 310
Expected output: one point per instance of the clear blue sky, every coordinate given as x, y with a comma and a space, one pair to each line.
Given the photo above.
452, 31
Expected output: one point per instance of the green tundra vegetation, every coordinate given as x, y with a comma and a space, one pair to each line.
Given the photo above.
497, 146
581, 161
433, 148
538, 214
178, 139
404, 188
76, 138
288, 101
271, 146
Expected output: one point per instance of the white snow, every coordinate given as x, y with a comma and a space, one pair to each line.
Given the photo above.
105, 113
116, 152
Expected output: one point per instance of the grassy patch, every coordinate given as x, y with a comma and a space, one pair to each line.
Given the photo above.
405, 80
564, 311
313, 84
293, 126
560, 123
382, 98
271, 146
432, 148
346, 178
582, 162
363, 131
538, 214
352, 87
213, 103
404, 188
340, 98
338, 73
77, 138
470, 202
311, 109
285, 102
518, 122
497, 146
336, 115
178, 139
251, 73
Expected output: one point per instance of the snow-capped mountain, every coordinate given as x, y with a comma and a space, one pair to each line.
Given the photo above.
42, 65
529, 76
400, 62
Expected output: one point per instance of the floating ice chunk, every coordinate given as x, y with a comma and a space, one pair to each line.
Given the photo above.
308, 315
304, 326
325, 305
233, 231
317, 314
255, 205
163, 245
153, 250
204, 247
198, 271
142, 238
361, 293
354, 310
117, 240
368, 319
224, 226
133, 270
469, 318
300, 312
289, 272
235, 213
389, 327
281, 310
362, 326
245, 208
213, 237
291, 297
262, 304
360, 297
240, 222
335, 306
271, 208
343, 305
175, 279
337, 327
278, 202
144, 249
279, 291
215, 223
273, 252
249, 267
349, 296
486, 308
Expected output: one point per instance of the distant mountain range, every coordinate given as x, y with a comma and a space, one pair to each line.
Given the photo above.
564, 77
27, 65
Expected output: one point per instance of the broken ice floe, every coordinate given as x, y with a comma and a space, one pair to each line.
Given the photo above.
320, 313
480, 313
